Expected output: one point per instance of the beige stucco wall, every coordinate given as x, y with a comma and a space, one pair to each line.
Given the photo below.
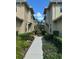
25, 14
20, 13
18, 24
58, 25
56, 11
55, 14
31, 20
47, 21
52, 14
29, 16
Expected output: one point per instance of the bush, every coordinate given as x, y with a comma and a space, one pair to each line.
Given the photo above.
48, 37
56, 33
43, 32
23, 42
31, 33
16, 33
26, 36
55, 40
21, 46
50, 51
19, 49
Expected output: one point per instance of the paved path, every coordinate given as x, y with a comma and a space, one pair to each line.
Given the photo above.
35, 51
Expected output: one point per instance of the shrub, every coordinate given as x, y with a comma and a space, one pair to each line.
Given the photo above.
55, 40
23, 42
43, 32
16, 33
50, 51
19, 49
21, 46
26, 36
56, 33
48, 37
31, 33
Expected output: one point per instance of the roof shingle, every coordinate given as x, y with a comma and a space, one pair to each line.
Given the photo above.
55, 0
20, 0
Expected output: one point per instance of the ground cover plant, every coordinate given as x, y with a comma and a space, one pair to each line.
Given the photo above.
23, 42
52, 47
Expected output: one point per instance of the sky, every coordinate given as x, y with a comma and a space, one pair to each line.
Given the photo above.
38, 7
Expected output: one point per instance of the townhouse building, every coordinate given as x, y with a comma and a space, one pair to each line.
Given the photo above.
24, 17
53, 17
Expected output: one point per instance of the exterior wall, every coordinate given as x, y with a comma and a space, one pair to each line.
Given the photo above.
51, 23
23, 27
20, 10
18, 24
56, 11
25, 14
30, 21
53, 14
58, 26
47, 22
29, 16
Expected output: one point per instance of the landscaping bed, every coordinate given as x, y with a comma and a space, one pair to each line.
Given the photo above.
23, 42
52, 47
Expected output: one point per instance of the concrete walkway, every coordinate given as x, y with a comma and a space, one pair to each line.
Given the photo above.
35, 51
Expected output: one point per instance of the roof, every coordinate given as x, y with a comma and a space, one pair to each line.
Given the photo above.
44, 11
52, 2
55, 0
31, 9
26, 4
20, 0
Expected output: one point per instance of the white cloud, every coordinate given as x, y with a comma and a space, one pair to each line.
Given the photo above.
39, 16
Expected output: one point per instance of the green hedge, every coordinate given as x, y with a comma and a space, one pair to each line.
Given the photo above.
56, 33
26, 36
51, 50
21, 45
56, 40
23, 42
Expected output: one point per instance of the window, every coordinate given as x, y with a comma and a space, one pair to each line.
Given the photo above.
60, 9
16, 9
17, 4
